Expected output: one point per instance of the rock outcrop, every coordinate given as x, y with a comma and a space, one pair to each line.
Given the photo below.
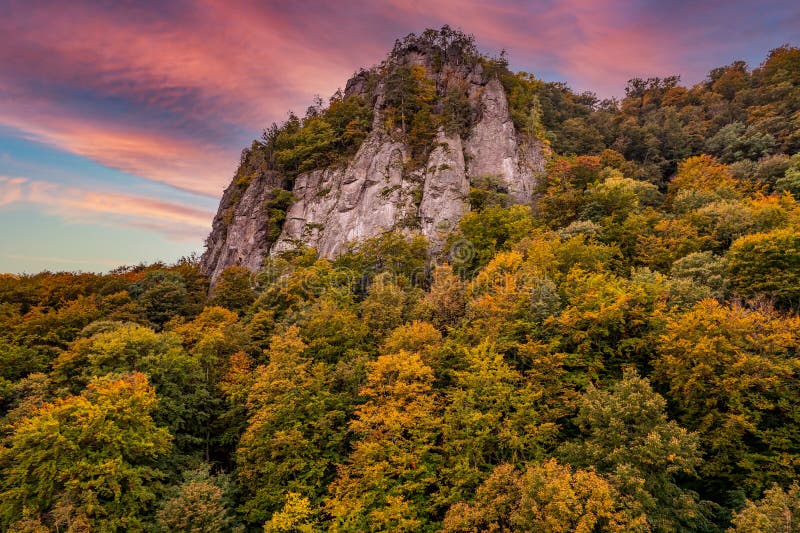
377, 190
366, 198
240, 232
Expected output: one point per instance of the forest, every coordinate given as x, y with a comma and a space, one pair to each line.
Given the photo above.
621, 356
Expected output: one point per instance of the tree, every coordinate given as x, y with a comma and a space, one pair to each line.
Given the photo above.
16, 361
160, 295
608, 322
234, 289
731, 374
210, 340
187, 400
197, 506
624, 433
767, 264
491, 417
702, 173
445, 302
395, 252
297, 516
417, 337
387, 304
385, 482
616, 196
87, 461
295, 431
547, 497
790, 181
482, 234
778, 511
735, 141
332, 331
703, 268
500, 301
407, 92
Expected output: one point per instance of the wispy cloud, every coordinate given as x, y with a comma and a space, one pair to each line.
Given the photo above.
11, 190
75, 205
170, 93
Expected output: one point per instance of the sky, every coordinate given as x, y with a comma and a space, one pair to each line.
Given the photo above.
122, 122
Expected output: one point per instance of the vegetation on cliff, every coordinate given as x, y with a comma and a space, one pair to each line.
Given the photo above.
622, 357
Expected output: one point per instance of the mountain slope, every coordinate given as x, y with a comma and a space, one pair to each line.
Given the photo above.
440, 121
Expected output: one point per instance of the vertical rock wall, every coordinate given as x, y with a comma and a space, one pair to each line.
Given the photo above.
375, 192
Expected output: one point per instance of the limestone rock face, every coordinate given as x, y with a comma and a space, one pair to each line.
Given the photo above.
376, 191
335, 206
240, 233
493, 148
445, 190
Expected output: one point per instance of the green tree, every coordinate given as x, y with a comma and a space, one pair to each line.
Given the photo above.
160, 295
767, 264
491, 417
186, 397
608, 322
625, 434
387, 304
295, 432
334, 331
484, 233
88, 461
234, 289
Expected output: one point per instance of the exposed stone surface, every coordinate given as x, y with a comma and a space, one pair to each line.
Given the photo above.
240, 233
334, 206
493, 149
374, 192
445, 190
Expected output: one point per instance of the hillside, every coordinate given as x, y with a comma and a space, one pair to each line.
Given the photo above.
398, 149
454, 298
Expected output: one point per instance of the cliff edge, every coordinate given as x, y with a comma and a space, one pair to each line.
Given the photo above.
398, 149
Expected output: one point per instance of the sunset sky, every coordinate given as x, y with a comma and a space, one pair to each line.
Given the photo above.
122, 122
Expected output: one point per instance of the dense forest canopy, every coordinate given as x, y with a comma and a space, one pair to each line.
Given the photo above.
623, 356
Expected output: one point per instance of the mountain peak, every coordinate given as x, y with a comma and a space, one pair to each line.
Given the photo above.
399, 150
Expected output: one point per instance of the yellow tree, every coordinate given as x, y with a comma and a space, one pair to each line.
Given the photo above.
778, 511
732, 376
491, 417
548, 498
702, 173
384, 484
88, 461
295, 430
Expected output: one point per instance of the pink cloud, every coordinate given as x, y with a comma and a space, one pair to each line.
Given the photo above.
594, 44
183, 163
191, 92
76, 205
172, 91
11, 190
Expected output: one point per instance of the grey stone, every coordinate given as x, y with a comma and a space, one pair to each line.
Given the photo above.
375, 193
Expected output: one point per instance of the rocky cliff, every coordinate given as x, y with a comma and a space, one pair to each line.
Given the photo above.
439, 123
